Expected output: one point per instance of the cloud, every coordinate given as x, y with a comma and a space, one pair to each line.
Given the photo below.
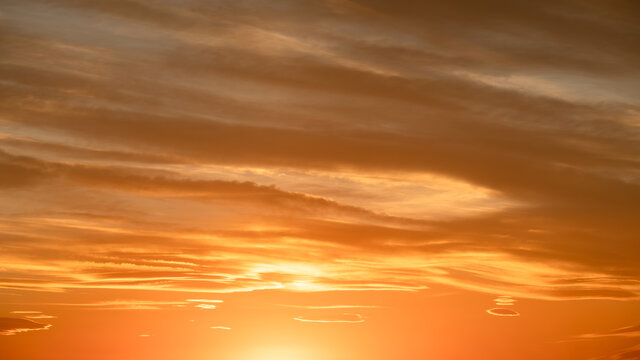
631, 353
504, 301
28, 314
205, 144
220, 327
632, 331
13, 326
503, 312
191, 149
40, 316
206, 306
316, 307
338, 318
124, 305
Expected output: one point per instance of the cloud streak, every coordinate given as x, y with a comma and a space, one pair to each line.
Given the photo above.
351, 318
321, 157
315, 147
13, 326
503, 312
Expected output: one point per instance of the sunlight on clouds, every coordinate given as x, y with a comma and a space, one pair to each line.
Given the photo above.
555, 85
418, 195
503, 312
303, 285
206, 306
319, 307
420, 165
280, 267
123, 305
13, 326
341, 318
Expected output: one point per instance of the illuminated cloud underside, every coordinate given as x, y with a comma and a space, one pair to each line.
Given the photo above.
221, 327
503, 312
168, 152
341, 318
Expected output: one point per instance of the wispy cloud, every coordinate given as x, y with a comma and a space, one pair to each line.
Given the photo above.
630, 353
220, 327
319, 307
632, 331
319, 146
206, 306
25, 312
13, 326
123, 305
503, 312
339, 318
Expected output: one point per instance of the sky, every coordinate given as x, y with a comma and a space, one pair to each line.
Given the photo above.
327, 179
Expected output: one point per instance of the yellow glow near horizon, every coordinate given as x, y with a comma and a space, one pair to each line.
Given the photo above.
282, 353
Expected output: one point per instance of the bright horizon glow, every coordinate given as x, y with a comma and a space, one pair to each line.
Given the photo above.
281, 353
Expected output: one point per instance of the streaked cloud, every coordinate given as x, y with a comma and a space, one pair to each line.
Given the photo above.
338, 149
220, 327
632, 331
123, 305
503, 312
338, 318
28, 314
320, 307
40, 316
13, 326
504, 301
206, 306
630, 353
25, 312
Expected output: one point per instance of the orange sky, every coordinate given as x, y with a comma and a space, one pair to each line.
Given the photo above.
328, 179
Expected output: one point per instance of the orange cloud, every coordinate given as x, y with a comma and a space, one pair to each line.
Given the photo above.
632, 331
503, 312
335, 149
220, 327
124, 305
338, 318
319, 307
630, 353
13, 326
206, 306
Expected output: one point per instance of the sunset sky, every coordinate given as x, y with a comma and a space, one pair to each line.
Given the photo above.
319, 180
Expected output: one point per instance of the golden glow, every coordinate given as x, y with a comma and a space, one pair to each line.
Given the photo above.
326, 179
281, 353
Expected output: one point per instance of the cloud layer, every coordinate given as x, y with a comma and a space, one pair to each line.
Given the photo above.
321, 146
